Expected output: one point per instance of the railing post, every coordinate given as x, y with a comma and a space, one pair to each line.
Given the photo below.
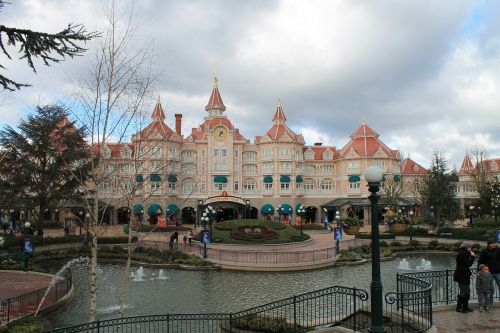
354, 308
294, 313
98, 325
447, 288
168, 322
230, 322
8, 310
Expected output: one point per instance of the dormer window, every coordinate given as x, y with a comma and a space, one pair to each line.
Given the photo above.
415, 168
327, 155
106, 152
309, 155
126, 153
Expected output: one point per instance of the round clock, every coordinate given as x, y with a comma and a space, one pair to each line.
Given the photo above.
220, 133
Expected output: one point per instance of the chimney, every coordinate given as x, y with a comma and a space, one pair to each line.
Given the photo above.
318, 144
178, 123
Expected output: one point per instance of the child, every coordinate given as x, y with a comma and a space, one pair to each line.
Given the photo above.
484, 286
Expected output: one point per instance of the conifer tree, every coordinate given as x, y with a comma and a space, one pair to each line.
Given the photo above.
39, 161
50, 48
438, 193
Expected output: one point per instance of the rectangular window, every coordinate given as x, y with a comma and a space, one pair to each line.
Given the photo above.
155, 166
156, 152
268, 186
155, 187
223, 152
284, 153
203, 153
220, 167
267, 154
236, 186
171, 186
285, 186
285, 167
220, 186
216, 152
353, 167
236, 153
268, 167
380, 164
172, 153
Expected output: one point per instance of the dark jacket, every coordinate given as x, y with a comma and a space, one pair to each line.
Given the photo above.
484, 282
491, 258
464, 262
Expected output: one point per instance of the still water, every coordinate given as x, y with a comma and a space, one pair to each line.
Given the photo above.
182, 291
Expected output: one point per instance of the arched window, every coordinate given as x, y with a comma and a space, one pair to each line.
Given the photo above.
308, 184
188, 185
326, 185
249, 185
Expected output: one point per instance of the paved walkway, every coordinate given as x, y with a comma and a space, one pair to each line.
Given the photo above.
447, 320
16, 283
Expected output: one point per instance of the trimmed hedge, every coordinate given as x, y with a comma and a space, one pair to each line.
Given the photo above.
382, 235
154, 228
310, 226
12, 241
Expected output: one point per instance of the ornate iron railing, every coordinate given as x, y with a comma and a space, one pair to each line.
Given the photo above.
22, 305
409, 309
444, 289
330, 306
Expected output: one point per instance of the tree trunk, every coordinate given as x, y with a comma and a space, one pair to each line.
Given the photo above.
126, 273
93, 261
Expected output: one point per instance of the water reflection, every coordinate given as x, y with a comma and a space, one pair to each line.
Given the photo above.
217, 291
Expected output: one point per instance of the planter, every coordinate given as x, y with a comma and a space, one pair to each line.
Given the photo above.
352, 230
397, 228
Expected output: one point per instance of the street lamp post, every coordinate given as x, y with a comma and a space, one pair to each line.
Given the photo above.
373, 176
301, 211
471, 221
337, 219
411, 226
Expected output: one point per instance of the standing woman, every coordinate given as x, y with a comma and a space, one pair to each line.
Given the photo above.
465, 259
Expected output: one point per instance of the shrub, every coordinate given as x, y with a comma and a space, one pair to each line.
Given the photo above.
433, 244
25, 325
351, 222
382, 235
266, 324
310, 226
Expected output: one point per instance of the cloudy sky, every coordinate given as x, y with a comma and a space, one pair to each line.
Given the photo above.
424, 74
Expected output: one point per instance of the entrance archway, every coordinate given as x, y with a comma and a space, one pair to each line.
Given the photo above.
311, 214
254, 213
188, 215
123, 215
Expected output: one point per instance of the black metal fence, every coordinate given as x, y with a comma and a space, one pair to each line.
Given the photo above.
329, 306
409, 309
19, 306
444, 289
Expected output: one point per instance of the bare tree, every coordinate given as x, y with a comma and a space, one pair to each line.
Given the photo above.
112, 99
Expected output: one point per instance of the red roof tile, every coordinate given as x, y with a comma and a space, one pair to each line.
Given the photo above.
410, 167
279, 128
467, 166
115, 148
365, 142
215, 101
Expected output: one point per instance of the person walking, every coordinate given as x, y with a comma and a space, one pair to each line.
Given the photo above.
190, 236
484, 286
490, 256
464, 260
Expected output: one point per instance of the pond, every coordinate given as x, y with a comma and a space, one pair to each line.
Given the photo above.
183, 291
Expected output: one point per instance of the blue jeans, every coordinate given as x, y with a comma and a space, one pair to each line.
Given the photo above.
496, 277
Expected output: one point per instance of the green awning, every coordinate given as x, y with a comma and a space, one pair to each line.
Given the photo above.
298, 207
172, 179
172, 209
220, 179
285, 179
299, 179
155, 178
354, 179
139, 179
138, 209
397, 178
267, 209
155, 209
268, 179
285, 209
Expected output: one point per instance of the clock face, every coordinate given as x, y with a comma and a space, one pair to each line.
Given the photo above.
220, 133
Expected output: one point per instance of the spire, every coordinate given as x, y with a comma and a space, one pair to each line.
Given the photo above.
467, 166
215, 101
279, 115
158, 114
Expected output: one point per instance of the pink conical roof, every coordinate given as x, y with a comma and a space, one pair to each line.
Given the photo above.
279, 115
467, 166
158, 114
215, 101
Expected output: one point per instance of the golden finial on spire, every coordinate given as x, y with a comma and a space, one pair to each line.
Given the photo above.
216, 81
278, 102
363, 121
158, 100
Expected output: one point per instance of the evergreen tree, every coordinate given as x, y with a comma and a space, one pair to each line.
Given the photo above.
43, 162
34, 44
438, 193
